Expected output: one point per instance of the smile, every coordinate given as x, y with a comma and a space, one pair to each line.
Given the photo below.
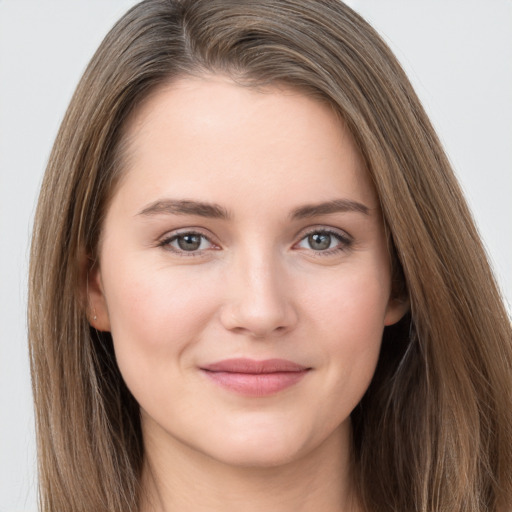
255, 378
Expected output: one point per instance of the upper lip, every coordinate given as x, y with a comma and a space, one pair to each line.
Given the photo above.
251, 366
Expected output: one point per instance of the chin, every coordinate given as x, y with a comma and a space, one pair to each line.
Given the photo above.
259, 454
262, 446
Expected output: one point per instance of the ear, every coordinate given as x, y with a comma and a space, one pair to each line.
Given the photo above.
97, 310
397, 307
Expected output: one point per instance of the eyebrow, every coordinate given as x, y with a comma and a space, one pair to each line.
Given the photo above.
334, 206
215, 211
185, 207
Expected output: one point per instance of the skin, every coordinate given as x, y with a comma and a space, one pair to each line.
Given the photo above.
257, 287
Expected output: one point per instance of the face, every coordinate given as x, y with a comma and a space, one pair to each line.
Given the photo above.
243, 272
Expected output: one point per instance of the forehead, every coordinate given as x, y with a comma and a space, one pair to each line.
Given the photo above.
197, 135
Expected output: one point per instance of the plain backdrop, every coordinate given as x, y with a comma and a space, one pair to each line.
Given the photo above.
458, 55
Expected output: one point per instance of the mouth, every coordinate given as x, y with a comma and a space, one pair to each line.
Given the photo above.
255, 378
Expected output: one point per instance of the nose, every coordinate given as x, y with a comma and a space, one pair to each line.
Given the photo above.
258, 300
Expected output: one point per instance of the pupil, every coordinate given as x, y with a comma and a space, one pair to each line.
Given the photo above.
320, 241
189, 242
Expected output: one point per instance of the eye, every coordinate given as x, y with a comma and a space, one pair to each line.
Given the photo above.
187, 242
325, 241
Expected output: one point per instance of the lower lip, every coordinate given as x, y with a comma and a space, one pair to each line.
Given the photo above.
256, 384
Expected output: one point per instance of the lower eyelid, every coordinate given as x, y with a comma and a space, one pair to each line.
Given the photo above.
166, 242
343, 238
203, 239
344, 242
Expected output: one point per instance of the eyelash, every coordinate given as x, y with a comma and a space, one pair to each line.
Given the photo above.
166, 243
345, 242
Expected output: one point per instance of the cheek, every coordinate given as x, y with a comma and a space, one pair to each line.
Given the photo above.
348, 317
155, 313
354, 300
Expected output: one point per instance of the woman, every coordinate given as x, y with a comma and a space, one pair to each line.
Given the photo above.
262, 287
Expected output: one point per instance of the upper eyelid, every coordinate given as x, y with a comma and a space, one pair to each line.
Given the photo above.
345, 242
326, 229
304, 232
165, 241
169, 235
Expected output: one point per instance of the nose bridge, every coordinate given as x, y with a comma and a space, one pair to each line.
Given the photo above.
258, 296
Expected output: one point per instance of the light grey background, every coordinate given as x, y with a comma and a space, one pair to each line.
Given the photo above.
458, 54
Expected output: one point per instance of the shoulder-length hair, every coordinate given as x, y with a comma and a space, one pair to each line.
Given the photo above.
434, 430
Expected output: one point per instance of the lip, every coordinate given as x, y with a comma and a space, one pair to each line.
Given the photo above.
255, 378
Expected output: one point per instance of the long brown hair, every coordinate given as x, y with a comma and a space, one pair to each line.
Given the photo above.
434, 430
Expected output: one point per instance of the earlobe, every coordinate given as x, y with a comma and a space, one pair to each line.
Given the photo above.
97, 311
396, 309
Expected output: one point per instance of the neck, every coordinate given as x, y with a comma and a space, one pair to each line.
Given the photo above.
178, 478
